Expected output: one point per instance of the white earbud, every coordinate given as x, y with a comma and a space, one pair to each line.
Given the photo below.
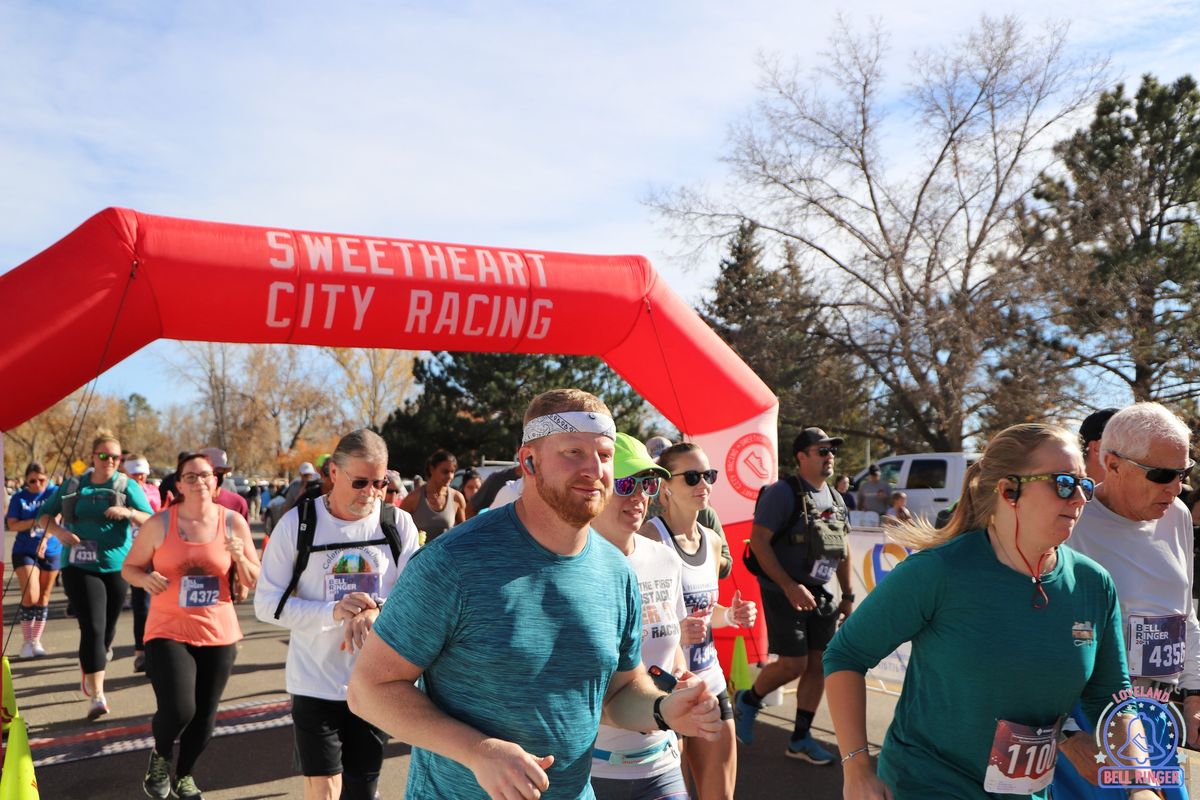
667, 489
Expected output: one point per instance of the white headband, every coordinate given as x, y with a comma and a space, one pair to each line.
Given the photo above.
570, 422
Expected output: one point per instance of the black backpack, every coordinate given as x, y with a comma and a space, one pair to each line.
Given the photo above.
799, 504
307, 510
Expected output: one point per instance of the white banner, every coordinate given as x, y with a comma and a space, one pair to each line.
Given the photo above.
872, 558
746, 456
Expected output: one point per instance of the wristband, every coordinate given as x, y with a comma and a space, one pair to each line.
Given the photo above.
848, 596
658, 717
853, 753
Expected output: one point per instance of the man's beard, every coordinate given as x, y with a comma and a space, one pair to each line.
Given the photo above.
571, 509
361, 508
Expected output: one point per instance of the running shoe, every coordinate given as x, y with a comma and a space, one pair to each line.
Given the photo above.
157, 782
98, 708
38, 650
185, 788
139, 662
27, 650
108, 655
744, 715
807, 749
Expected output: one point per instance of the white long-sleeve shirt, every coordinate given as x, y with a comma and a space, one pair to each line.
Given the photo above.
1151, 565
316, 664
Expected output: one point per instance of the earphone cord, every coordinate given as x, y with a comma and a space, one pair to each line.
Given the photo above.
1040, 599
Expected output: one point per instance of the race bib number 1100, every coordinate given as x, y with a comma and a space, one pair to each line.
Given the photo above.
1022, 758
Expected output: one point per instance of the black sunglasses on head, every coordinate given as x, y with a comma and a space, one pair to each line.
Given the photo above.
694, 476
1162, 475
359, 484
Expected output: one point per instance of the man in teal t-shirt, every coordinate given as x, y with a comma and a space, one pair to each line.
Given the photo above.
523, 624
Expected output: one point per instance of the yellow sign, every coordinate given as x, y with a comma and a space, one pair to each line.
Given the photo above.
78, 466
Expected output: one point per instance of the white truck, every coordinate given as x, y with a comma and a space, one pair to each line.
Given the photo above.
932, 481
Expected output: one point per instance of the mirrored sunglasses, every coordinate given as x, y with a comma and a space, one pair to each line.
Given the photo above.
1064, 483
694, 476
358, 484
1160, 474
108, 456
650, 484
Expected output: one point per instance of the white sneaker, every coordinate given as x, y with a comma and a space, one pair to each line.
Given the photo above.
27, 650
98, 708
38, 650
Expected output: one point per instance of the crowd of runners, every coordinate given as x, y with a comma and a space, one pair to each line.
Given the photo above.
561, 645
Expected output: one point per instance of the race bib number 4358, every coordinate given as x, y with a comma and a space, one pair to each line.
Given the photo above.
1157, 646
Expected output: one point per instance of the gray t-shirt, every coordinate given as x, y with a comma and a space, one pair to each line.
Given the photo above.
869, 498
774, 508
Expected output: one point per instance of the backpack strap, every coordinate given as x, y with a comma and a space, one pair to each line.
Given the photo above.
121, 488
387, 521
306, 508
70, 496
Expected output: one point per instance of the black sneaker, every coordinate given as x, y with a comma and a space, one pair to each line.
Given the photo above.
185, 788
139, 662
157, 782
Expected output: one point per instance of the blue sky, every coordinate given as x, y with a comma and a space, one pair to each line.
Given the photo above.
501, 123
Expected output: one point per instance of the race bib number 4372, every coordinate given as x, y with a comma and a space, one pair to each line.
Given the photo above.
199, 591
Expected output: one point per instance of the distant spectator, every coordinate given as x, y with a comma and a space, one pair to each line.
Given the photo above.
438, 506
843, 488
898, 509
224, 497
395, 490
1090, 432
470, 484
487, 492
874, 492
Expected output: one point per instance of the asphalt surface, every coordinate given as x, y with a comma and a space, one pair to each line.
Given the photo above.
251, 755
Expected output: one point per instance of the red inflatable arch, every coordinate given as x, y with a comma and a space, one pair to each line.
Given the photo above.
182, 279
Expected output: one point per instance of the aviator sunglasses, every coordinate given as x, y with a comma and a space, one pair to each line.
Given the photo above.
1064, 483
1159, 474
624, 487
694, 476
358, 484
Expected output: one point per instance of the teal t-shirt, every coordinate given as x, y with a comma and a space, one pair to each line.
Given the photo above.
517, 642
112, 536
981, 653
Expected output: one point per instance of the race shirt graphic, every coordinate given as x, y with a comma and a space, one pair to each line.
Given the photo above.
1157, 645
352, 570
659, 618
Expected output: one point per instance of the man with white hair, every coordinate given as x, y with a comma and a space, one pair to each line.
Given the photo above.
522, 624
1142, 534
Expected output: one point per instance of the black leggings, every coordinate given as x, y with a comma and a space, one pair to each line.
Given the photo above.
97, 598
139, 600
188, 682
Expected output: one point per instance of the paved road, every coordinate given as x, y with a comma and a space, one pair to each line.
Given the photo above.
251, 756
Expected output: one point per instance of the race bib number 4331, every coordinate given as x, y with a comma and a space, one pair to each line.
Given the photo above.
1157, 645
86, 552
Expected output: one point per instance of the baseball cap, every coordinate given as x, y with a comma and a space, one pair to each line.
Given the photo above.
810, 436
138, 466
873, 469
217, 456
655, 445
631, 457
1093, 426
306, 468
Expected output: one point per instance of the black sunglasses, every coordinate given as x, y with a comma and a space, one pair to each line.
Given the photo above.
826, 451
694, 476
624, 487
1064, 483
1159, 474
359, 484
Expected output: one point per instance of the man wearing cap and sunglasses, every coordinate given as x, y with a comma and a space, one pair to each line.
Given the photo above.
522, 624
1142, 534
799, 542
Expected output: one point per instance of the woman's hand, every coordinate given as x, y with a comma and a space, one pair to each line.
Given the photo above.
236, 548
693, 629
154, 583
859, 781
118, 512
742, 612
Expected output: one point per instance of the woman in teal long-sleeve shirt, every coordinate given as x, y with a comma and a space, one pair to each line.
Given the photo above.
1008, 629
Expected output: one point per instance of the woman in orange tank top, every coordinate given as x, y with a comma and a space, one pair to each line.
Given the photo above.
192, 631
